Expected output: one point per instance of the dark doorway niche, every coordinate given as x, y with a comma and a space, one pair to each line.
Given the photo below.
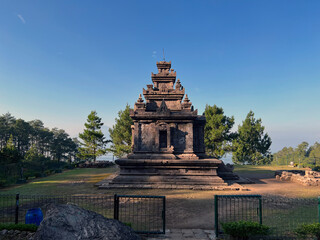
163, 139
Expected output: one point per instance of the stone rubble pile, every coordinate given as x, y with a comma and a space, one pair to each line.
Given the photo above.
310, 178
98, 164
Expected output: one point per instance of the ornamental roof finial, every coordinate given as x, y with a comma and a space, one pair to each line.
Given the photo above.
186, 99
140, 100
164, 58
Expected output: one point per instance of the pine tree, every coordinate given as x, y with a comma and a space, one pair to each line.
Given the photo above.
10, 154
315, 153
93, 144
301, 153
62, 145
252, 145
33, 155
121, 134
217, 135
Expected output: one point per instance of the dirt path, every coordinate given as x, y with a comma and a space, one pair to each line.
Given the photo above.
266, 184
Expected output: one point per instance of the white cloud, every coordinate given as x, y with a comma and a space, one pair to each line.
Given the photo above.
21, 18
154, 54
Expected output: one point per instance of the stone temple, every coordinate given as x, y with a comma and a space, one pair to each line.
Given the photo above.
168, 141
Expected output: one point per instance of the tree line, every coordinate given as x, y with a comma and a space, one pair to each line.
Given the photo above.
33, 137
303, 155
248, 145
29, 149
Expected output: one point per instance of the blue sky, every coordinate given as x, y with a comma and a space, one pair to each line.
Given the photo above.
61, 59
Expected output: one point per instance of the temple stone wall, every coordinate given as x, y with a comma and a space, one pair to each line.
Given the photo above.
172, 105
189, 137
148, 136
179, 138
198, 138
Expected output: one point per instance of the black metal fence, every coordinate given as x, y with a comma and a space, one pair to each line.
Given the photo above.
145, 214
282, 215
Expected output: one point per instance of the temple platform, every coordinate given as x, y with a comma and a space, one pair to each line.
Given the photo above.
171, 174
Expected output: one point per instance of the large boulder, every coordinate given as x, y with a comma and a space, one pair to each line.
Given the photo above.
70, 222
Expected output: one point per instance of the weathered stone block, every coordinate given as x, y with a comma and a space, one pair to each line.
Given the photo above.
70, 222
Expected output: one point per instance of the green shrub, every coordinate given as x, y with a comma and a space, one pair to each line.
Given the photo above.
2, 182
70, 166
308, 230
128, 224
29, 174
55, 164
37, 175
20, 227
316, 168
245, 229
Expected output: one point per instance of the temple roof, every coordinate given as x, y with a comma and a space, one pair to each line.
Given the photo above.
165, 89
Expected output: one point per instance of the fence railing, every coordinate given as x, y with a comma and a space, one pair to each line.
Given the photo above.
282, 215
145, 214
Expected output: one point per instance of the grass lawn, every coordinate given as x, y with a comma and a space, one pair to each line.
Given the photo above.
76, 181
82, 180
261, 169
260, 172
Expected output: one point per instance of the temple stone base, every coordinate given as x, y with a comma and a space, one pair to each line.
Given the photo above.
171, 174
233, 187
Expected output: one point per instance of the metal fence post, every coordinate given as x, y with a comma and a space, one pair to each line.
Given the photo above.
116, 207
16, 220
216, 215
319, 209
260, 209
164, 215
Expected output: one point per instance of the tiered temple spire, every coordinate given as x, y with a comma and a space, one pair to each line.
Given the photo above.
164, 87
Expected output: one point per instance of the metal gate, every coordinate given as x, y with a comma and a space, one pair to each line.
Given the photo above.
231, 208
145, 214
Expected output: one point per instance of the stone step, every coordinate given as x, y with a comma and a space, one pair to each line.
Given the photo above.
146, 167
169, 181
167, 186
168, 176
173, 179
172, 183
166, 172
